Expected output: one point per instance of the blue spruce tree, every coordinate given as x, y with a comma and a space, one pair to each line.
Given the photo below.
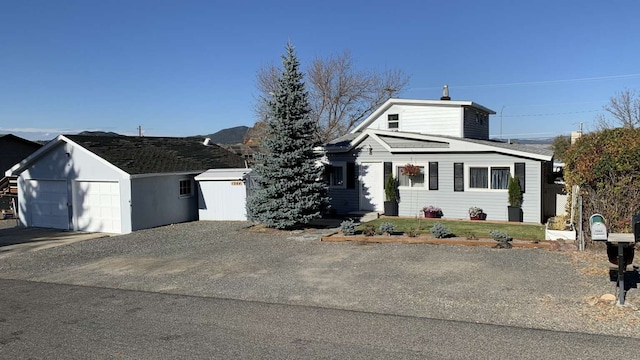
290, 191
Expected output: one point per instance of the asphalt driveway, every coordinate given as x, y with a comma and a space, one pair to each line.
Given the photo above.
519, 287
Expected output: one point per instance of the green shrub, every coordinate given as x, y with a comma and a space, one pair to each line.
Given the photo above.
440, 231
503, 239
387, 228
348, 227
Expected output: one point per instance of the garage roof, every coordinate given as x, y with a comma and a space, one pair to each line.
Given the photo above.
147, 155
223, 174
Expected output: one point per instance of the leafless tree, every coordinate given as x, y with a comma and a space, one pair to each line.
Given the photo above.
340, 95
624, 111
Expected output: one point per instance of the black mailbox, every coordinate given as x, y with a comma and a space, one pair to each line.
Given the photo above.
635, 225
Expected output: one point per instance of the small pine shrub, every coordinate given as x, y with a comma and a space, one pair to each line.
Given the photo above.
503, 239
440, 231
368, 230
387, 228
348, 227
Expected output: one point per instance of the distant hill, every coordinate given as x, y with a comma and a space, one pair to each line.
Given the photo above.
229, 136
99, 133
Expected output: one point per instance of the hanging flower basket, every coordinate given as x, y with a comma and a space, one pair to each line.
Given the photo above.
410, 170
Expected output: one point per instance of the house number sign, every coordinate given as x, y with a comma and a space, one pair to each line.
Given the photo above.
237, 183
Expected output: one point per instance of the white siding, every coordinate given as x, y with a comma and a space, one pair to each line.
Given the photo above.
156, 201
454, 204
222, 200
431, 119
68, 163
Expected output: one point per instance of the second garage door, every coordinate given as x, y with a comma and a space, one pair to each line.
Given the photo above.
97, 206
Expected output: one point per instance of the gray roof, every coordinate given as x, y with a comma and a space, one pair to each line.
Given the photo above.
148, 155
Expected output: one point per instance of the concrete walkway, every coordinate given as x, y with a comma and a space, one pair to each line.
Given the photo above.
14, 240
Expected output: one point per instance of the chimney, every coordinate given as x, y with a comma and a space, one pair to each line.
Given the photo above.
445, 93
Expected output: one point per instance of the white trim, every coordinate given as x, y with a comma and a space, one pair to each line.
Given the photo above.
455, 145
20, 167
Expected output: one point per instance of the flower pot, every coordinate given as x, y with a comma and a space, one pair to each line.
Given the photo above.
391, 208
432, 214
515, 213
481, 216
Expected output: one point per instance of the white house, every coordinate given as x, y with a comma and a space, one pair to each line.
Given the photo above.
460, 166
114, 184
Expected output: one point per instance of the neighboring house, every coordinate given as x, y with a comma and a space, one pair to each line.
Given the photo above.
115, 184
460, 166
13, 149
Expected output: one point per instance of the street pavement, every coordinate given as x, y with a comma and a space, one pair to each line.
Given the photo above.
55, 321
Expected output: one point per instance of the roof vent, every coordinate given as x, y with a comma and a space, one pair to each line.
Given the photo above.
206, 141
445, 93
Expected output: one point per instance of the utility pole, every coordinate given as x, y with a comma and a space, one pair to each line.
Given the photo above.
501, 121
139, 130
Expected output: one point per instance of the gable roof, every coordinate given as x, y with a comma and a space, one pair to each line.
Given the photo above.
4, 137
404, 142
387, 104
148, 155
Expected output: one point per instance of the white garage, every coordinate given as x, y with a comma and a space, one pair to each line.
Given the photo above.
118, 184
96, 206
223, 194
48, 199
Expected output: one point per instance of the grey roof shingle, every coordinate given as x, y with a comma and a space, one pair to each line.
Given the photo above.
147, 155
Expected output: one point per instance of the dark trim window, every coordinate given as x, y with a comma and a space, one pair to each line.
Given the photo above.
500, 178
335, 175
393, 121
519, 169
496, 178
458, 177
433, 176
186, 189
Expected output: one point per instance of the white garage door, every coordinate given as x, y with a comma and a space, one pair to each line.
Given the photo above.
96, 206
47, 203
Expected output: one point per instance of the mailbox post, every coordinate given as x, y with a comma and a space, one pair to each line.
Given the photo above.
625, 246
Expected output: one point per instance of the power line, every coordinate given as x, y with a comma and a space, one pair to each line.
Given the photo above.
549, 114
544, 82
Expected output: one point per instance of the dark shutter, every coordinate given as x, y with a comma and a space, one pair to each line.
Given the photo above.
519, 170
328, 169
458, 177
351, 175
388, 171
433, 176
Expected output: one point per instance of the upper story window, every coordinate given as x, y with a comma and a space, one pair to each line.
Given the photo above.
393, 121
185, 188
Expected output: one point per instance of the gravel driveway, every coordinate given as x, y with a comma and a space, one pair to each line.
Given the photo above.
519, 287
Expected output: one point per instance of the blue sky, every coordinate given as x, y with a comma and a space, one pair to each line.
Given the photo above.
180, 68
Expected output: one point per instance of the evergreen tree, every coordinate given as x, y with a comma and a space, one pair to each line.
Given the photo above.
290, 189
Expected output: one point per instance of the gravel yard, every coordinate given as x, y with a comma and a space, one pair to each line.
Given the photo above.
518, 287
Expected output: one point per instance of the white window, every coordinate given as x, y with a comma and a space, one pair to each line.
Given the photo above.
496, 177
186, 190
416, 181
393, 121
